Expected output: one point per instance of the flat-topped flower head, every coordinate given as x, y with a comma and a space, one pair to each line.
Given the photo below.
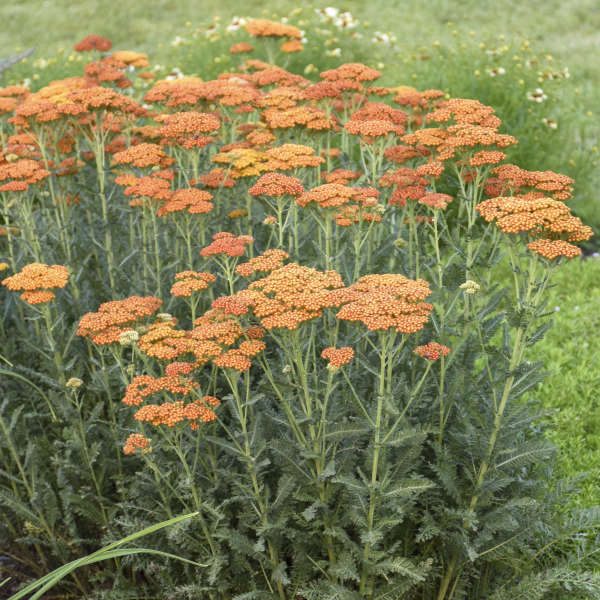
188, 282
436, 201
143, 155
552, 249
388, 301
277, 184
115, 317
36, 282
190, 200
268, 261
172, 413
228, 244
512, 178
327, 196
93, 42
291, 295
240, 48
465, 112
352, 71
338, 357
19, 175
217, 178
309, 117
266, 28
432, 351
540, 217
342, 176
188, 129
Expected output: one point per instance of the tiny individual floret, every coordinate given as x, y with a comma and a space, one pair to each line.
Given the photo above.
432, 351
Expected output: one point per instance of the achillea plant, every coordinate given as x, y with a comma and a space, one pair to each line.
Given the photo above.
336, 384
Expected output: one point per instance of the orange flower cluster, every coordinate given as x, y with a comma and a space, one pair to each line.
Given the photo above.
36, 281
312, 118
289, 296
130, 58
291, 46
364, 206
352, 71
93, 42
401, 153
327, 196
541, 217
228, 244
464, 112
195, 202
268, 261
552, 249
375, 119
511, 177
108, 69
216, 178
275, 185
187, 282
265, 28
19, 175
135, 441
142, 156
410, 97
113, 318
407, 184
153, 186
143, 386
292, 156
338, 357
218, 330
486, 157
342, 176
241, 47
187, 128
436, 201
432, 351
172, 413
389, 301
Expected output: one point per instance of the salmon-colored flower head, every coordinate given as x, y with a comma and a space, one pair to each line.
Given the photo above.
338, 357
240, 48
353, 71
36, 281
540, 217
188, 282
227, 244
389, 301
93, 42
190, 200
277, 184
142, 156
113, 318
188, 129
552, 249
432, 351
268, 261
266, 28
